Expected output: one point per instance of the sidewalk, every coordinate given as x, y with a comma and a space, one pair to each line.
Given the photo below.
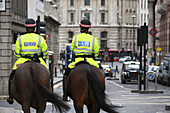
59, 77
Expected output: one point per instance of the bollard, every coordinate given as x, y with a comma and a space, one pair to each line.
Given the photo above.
55, 71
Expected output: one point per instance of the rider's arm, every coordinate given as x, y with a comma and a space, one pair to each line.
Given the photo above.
17, 49
72, 44
43, 47
96, 47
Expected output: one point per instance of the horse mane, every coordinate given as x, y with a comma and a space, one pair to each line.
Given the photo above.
51, 97
99, 91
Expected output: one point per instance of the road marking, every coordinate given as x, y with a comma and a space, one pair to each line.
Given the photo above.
156, 100
58, 85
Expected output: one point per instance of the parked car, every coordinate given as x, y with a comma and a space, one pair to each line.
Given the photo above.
129, 71
125, 58
160, 73
107, 70
166, 70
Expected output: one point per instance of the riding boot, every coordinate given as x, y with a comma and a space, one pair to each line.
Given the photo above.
65, 97
10, 99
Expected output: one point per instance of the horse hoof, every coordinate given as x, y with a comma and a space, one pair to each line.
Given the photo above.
10, 101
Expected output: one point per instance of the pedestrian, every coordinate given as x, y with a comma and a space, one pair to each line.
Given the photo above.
84, 47
28, 47
61, 69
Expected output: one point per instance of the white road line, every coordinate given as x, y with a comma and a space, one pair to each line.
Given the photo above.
57, 85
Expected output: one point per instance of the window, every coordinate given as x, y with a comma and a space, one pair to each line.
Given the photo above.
104, 34
102, 2
71, 2
103, 43
87, 2
72, 17
102, 17
70, 36
87, 15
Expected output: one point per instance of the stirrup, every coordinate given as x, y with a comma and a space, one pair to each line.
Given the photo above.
10, 100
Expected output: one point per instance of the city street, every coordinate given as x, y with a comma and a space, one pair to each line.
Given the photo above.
120, 95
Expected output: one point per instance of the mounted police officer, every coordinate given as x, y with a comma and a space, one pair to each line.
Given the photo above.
28, 47
84, 47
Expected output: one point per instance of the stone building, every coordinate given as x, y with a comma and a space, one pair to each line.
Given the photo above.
163, 25
12, 21
112, 21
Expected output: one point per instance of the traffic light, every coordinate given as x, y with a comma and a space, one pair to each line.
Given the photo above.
40, 27
142, 35
145, 33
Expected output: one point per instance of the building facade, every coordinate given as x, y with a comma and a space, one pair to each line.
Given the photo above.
12, 24
163, 25
114, 22
12, 21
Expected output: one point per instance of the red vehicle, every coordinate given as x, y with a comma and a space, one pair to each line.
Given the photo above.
116, 54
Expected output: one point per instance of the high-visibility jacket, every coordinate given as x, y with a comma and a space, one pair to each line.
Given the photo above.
85, 44
29, 44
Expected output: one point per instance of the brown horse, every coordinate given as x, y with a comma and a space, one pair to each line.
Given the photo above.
31, 88
86, 86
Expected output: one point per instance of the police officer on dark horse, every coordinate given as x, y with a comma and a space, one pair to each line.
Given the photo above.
84, 47
29, 46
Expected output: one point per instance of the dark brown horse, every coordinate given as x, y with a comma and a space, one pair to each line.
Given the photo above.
86, 86
31, 88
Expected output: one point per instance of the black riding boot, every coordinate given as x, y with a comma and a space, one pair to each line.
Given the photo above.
64, 83
10, 99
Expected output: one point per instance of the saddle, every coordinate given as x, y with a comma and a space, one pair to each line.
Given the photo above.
82, 62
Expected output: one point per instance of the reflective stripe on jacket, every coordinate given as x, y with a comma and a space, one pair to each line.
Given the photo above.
85, 44
30, 44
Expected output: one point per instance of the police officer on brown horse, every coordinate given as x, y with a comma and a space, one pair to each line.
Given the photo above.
29, 46
84, 47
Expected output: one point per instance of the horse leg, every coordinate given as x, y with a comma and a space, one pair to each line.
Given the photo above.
41, 107
93, 109
78, 107
26, 107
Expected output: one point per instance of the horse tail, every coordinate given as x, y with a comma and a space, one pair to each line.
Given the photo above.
57, 101
99, 92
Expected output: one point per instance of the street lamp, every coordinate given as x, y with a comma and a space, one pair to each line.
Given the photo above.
133, 17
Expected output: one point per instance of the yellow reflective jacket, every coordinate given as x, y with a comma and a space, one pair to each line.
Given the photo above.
29, 44
85, 44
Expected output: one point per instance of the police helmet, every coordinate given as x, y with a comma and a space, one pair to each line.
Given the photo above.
30, 23
85, 23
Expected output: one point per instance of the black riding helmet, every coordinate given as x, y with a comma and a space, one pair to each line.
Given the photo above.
30, 25
85, 25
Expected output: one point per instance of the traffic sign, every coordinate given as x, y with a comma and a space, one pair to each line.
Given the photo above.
151, 76
47, 35
153, 32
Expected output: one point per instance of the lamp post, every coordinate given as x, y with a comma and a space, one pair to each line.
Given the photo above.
133, 17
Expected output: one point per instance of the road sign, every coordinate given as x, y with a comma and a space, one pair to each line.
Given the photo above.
153, 32
47, 35
151, 76
159, 49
